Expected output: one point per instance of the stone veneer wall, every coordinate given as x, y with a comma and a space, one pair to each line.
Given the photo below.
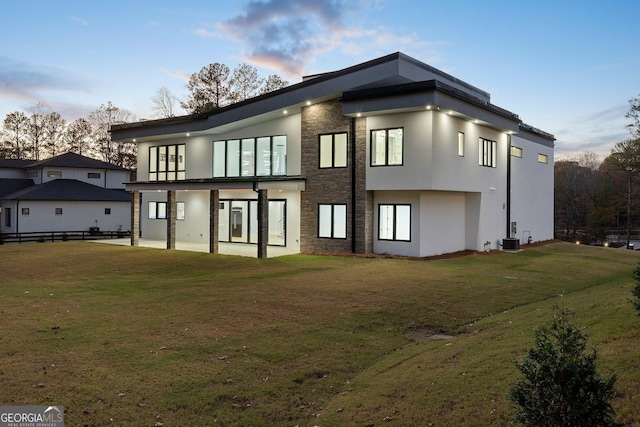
333, 185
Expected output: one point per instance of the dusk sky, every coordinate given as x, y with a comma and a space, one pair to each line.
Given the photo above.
565, 66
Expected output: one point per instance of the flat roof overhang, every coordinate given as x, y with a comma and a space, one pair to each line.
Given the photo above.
255, 183
428, 95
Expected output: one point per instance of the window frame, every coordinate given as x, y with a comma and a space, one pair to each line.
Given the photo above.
107, 211
333, 151
487, 152
25, 211
58, 211
332, 221
160, 210
387, 147
543, 158
394, 233
167, 162
236, 152
460, 144
54, 174
94, 175
516, 151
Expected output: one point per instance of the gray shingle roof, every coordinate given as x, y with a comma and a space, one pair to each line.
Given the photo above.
69, 190
11, 185
73, 160
14, 163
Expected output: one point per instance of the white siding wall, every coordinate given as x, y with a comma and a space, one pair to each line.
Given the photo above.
76, 216
199, 149
108, 178
532, 191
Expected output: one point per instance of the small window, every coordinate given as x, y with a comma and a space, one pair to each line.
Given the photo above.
394, 222
542, 158
461, 144
387, 147
107, 211
332, 221
157, 210
54, 174
93, 175
333, 150
7, 217
58, 211
25, 211
487, 153
516, 151
180, 211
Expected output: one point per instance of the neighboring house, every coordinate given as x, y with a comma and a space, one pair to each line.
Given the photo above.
388, 156
69, 192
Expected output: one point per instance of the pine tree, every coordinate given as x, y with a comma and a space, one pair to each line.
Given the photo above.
635, 291
562, 387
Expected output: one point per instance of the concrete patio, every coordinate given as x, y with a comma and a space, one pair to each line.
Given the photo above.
238, 249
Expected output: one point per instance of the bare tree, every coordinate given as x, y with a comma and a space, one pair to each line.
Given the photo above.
36, 128
245, 82
54, 132
78, 137
626, 156
164, 103
634, 115
14, 135
208, 89
117, 152
273, 82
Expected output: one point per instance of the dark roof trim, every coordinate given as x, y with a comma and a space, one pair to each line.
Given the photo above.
424, 86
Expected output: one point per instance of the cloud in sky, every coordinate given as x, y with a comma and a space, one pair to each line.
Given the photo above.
79, 20
287, 35
28, 82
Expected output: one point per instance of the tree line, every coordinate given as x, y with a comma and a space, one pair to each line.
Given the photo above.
593, 198
41, 133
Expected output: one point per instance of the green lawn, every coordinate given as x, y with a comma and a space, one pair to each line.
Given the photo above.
136, 336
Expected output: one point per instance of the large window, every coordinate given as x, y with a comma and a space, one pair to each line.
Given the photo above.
487, 154
332, 221
394, 222
239, 221
264, 156
167, 163
386, 147
333, 150
158, 210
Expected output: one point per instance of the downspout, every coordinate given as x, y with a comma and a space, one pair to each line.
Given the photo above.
353, 185
509, 186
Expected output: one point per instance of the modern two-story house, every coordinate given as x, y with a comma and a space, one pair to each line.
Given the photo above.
388, 156
65, 193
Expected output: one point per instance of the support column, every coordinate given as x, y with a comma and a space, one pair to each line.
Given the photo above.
214, 220
263, 223
135, 218
171, 219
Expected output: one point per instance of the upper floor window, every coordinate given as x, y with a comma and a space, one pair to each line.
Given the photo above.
516, 151
386, 147
167, 163
333, 150
54, 174
93, 174
487, 153
461, 144
542, 158
264, 156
